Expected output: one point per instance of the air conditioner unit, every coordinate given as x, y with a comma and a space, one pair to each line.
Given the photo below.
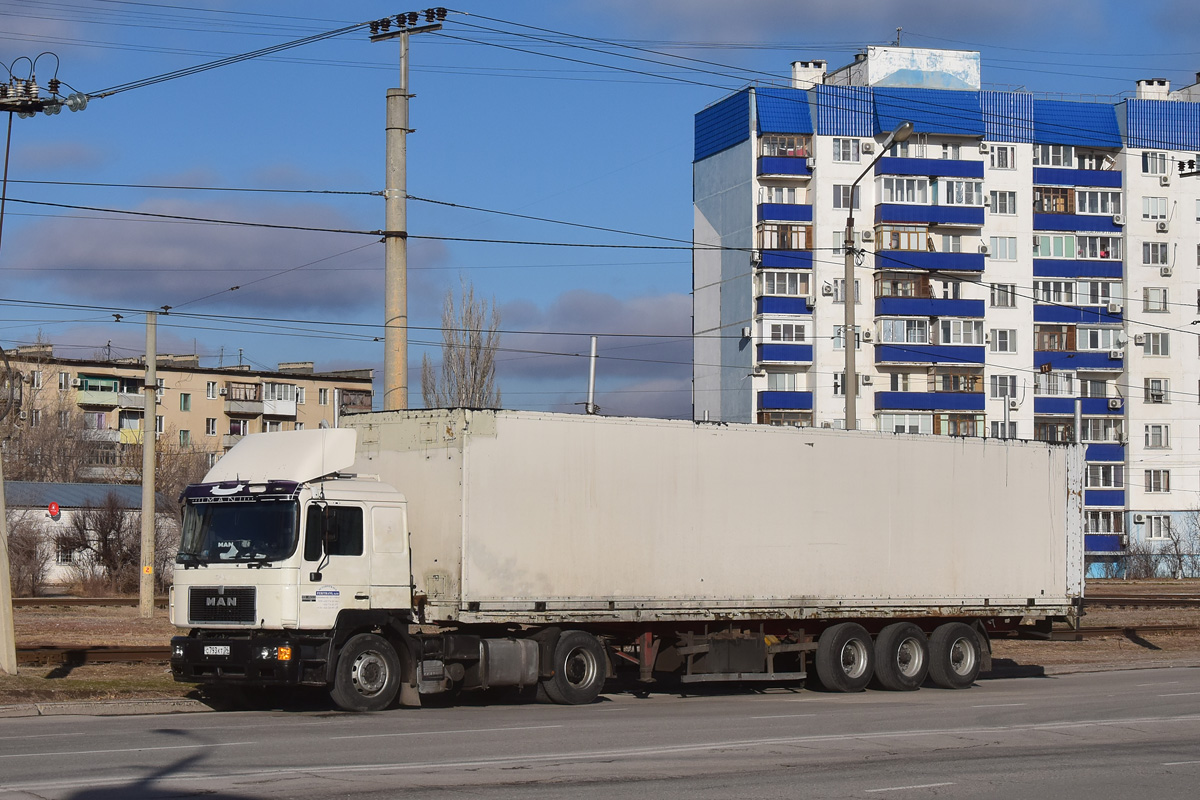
826, 424
1161, 226
1156, 397
746, 332
867, 335
985, 148
1115, 308
222, 391
811, 163
1114, 404
866, 380
868, 235
755, 257
1138, 519
987, 338
1164, 180
868, 147
1116, 355
827, 290
1139, 338
1165, 271
76, 383
22, 415
983, 248
1013, 405
1118, 219
810, 302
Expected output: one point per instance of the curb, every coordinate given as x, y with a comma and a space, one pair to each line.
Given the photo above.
104, 708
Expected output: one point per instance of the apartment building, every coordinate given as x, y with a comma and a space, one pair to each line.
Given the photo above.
205, 409
1017, 258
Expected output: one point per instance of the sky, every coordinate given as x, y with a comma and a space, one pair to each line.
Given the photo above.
564, 124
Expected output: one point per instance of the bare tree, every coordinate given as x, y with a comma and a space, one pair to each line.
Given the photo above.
29, 553
470, 337
1141, 559
108, 538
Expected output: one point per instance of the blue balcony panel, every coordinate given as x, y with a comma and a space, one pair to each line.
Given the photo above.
784, 165
1104, 452
1069, 268
1077, 315
1102, 543
783, 305
929, 401
923, 259
785, 212
799, 353
971, 216
1057, 176
1071, 360
943, 167
787, 259
1104, 497
927, 307
929, 354
1092, 406
1075, 222
785, 401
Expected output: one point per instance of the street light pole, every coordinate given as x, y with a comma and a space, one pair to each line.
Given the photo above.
850, 381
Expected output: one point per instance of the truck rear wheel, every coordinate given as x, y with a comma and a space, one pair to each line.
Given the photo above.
901, 657
954, 656
580, 668
367, 676
845, 658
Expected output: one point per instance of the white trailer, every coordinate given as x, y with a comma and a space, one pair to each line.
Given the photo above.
515, 548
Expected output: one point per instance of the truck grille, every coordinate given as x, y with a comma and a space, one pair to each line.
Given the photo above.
221, 604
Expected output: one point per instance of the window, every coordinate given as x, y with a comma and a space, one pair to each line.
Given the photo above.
1157, 344
299, 395
904, 330
1003, 386
1093, 388
64, 556
1054, 431
1003, 156
185, 401
777, 145
839, 291
903, 237
906, 423
842, 197
322, 397
1098, 429
1093, 160
998, 431
785, 195
1047, 246
951, 152
1053, 292
1154, 299
1004, 340
1004, 295
338, 528
239, 427
845, 150
838, 340
1097, 338
898, 284
963, 193
1158, 526
64, 419
1092, 201
1156, 390
1158, 436
1154, 253
1003, 203
962, 331
782, 381
1054, 200
839, 385
1154, 208
786, 284
776, 236
950, 289
1104, 522
299, 426
955, 382
1098, 292
272, 426
958, 424
1154, 163
210, 390
787, 332
1105, 476
35, 418
905, 190
64, 381
951, 242
158, 424
210, 426
1003, 248
1053, 337
898, 382
185, 438
282, 392
1105, 247
1054, 155
35, 377
1158, 481
1053, 384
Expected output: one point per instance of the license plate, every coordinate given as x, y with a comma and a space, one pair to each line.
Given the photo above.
216, 649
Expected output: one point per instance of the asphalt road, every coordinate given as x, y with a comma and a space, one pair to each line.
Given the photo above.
1094, 736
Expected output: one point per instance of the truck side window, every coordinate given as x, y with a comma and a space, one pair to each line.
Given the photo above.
340, 526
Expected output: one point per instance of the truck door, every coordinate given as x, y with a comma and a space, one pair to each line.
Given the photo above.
391, 583
337, 570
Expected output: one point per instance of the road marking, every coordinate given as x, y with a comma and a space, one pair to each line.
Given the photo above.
43, 736
1163, 683
434, 733
784, 716
1178, 763
1179, 694
1001, 705
902, 788
126, 750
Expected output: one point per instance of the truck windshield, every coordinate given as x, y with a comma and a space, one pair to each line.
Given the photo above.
238, 532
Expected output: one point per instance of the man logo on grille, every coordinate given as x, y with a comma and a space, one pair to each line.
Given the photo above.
220, 601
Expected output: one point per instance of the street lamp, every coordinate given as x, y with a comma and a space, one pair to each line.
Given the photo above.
850, 382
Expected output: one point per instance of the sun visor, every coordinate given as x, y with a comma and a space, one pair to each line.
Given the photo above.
287, 456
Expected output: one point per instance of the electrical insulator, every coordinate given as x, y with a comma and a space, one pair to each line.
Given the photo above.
31, 89
374, 28
429, 14
441, 13
1191, 163
413, 17
401, 20
53, 85
385, 23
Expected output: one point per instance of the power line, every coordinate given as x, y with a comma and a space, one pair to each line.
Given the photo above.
196, 188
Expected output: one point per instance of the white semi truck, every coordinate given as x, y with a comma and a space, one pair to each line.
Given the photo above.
418, 552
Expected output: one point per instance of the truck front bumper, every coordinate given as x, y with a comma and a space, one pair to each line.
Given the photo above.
267, 659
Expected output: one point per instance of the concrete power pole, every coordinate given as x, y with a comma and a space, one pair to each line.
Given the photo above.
149, 432
395, 282
8, 638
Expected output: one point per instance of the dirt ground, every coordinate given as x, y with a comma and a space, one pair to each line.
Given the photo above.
92, 626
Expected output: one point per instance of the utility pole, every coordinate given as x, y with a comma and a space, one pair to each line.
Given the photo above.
149, 432
591, 405
395, 243
8, 637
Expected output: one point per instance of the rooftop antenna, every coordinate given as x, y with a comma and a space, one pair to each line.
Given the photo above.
898, 36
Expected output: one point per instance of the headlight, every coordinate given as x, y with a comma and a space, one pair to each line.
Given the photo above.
177, 651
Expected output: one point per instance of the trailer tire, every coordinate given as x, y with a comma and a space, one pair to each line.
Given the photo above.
845, 658
901, 657
580, 667
954, 656
367, 677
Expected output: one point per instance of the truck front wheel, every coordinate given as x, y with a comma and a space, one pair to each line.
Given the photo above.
580, 668
954, 656
845, 658
368, 674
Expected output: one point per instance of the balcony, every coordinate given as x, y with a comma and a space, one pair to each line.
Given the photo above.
785, 401
783, 305
1104, 452
965, 216
1070, 268
1057, 176
927, 307
230, 439
930, 401
276, 408
98, 398
785, 353
1070, 360
131, 400
244, 408
939, 167
787, 259
929, 354
1076, 315
244, 399
1104, 497
1092, 406
1097, 543
357, 401
785, 212
924, 259
130, 436
786, 166
1098, 223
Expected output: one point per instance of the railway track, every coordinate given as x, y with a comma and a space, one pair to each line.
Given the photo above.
1143, 600
33, 602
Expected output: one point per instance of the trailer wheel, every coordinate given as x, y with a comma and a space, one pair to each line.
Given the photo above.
954, 656
368, 674
579, 669
845, 658
901, 657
